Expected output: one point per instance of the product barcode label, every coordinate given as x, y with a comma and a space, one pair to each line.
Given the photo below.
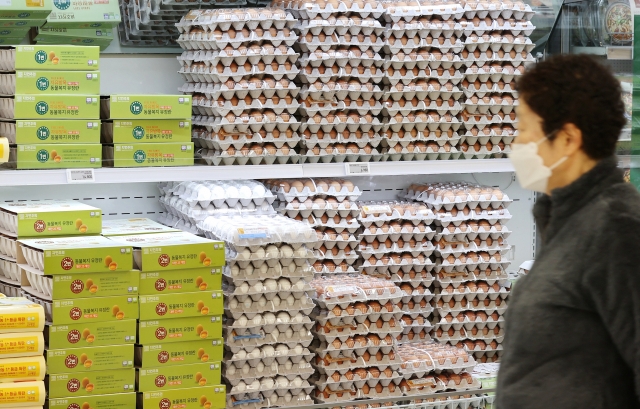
80, 176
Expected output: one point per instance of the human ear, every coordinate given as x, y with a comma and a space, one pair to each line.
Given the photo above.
568, 140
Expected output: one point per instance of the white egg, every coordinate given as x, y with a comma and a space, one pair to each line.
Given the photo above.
275, 334
282, 382
245, 192
269, 351
301, 252
243, 288
288, 365
262, 302
217, 192
264, 268
303, 333
255, 385
298, 350
257, 320
233, 304
231, 370
258, 191
235, 271
286, 251
298, 318
260, 253
247, 303
297, 382
274, 367
254, 354
242, 321
248, 270
242, 354
269, 318
291, 300
267, 384
271, 284
288, 333
260, 367
282, 350
299, 285
241, 387
292, 268
284, 317
231, 192
276, 301
287, 397
285, 285
245, 254
257, 287
272, 251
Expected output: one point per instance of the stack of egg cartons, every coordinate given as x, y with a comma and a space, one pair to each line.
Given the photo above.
357, 322
179, 346
239, 65
267, 330
50, 108
188, 203
422, 80
328, 205
496, 51
341, 72
471, 283
396, 244
430, 367
17, 19
22, 366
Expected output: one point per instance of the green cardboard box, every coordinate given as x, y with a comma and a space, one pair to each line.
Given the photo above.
89, 359
91, 334
173, 251
102, 44
23, 23
181, 305
57, 131
73, 255
178, 330
148, 155
98, 309
25, 9
59, 156
84, 14
60, 32
178, 377
147, 130
58, 82
98, 383
179, 353
147, 107
57, 57
83, 285
113, 401
56, 107
209, 397
54, 218
127, 227
14, 32
166, 282
11, 40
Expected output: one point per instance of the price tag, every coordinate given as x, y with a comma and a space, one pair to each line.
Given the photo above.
340, 290
253, 233
357, 168
80, 176
371, 209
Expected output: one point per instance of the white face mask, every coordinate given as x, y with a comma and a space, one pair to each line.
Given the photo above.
531, 172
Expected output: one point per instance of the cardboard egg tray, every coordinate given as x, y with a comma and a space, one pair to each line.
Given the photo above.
384, 232
422, 358
215, 158
250, 274
47, 305
359, 377
424, 27
353, 346
330, 365
9, 247
448, 197
413, 278
259, 290
404, 107
339, 189
405, 139
415, 334
248, 342
329, 333
342, 25
439, 383
466, 401
39, 285
219, 193
347, 223
405, 264
9, 272
462, 320
381, 213
254, 87
328, 155
199, 39
272, 256
406, 76
407, 45
9, 290
231, 124
340, 257
397, 12
495, 105
328, 267
484, 357
305, 11
348, 300
517, 10
353, 121
417, 322
218, 74
423, 90
487, 305
319, 208
515, 27
497, 42
223, 142
347, 395
422, 120
489, 214
250, 309
492, 72
422, 59
481, 89
359, 72
311, 108
458, 278
268, 354
302, 369
257, 390
309, 43
237, 19
505, 136
341, 57
457, 248
357, 313
341, 89
480, 346
486, 334
222, 107
425, 249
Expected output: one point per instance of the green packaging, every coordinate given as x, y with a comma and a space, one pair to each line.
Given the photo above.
126, 227
173, 251
72, 255
83, 285
100, 309
179, 353
58, 82
181, 305
147, 130
50, 39
57, 131
178, 330
25, 9
11, 40
59, 156
208, 397
84, 14
61, 32
181, 281
83, 383
56, 107
148, 107
148, 155
178, 377
112, 401
89, 359
14, 32
54, 218
25, 23
57, 57
91, 334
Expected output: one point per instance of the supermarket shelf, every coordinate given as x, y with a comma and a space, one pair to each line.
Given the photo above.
138, 175
610, 52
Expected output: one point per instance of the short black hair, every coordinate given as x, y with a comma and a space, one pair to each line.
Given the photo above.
580, 90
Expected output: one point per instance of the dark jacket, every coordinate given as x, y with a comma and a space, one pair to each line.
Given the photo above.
573, 323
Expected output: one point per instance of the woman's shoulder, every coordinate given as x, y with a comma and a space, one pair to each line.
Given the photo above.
618, 208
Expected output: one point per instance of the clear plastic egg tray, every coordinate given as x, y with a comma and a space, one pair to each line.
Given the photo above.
219, 193
457, 278
329, 332
356, 377
459, 195
425, 357
352, 347
487, 335
341, 25
438, 383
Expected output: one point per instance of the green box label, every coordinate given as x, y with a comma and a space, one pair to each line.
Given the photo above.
181, 305
178, 330
25, 9
147, 130
54, 218
14, 32
113, 401
84, 14
63, 32
84, 285
57, 107
58, 82
100, 309
57, 131
150, 154
179, 377
89, 359
83, 383
80, 335
181, 281
207, 397
57, 57
149, 106
59, 156
179, 353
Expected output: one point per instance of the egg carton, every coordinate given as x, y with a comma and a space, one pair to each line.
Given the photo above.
357, 377
235, 309
302, 399
341, 57
323, 157
260, 56
358, 72
224, 19
420, 359
268, 354
214, 141
423, 90
279, 389
425, 249
240, 125
516, 10
355, 346
384, 265
413, 308
392, 107
338, 316
515, 27
341, 90
514, 63
494, 74
409, 76
489, 214
248, 342
8, 247
465, 196
10, 290
310, 43
487, 305
458, 278
255, 88
445, 46
480, 347
333, 240
417, 322
350, 299
467, 401
272, 255
466, 335
493, 107
260, 289
318, 209
352, 121
39, 285
10, 272
323, 268
211, 75
401, 277
234, 375
222, 108
422, 120
498, 43
326, 108
341, 26
396, 13
480, 89
431, 384
347, 395
347, 223
219, 40
329, 333
498, 136
380, 213
463, 321
339, 189
406, 233
46, 304
341, 364
392, 139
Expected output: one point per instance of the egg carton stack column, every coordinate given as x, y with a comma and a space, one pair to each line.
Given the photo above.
422, 80
341, 69
188, 203
396, 244
239, 65
328, 206
268, 307
496, 51
472, 285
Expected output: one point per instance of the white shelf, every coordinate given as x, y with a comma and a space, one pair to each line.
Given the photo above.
138, 175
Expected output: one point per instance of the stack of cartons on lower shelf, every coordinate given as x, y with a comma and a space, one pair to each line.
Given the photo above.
22, 367
180, 348
147, 130
50, 106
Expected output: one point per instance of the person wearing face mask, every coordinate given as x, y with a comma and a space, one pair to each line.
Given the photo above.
572, 330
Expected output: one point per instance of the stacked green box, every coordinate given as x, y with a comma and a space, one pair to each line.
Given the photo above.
51, 112
18, 16
100, 37
181, 306
147, 130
